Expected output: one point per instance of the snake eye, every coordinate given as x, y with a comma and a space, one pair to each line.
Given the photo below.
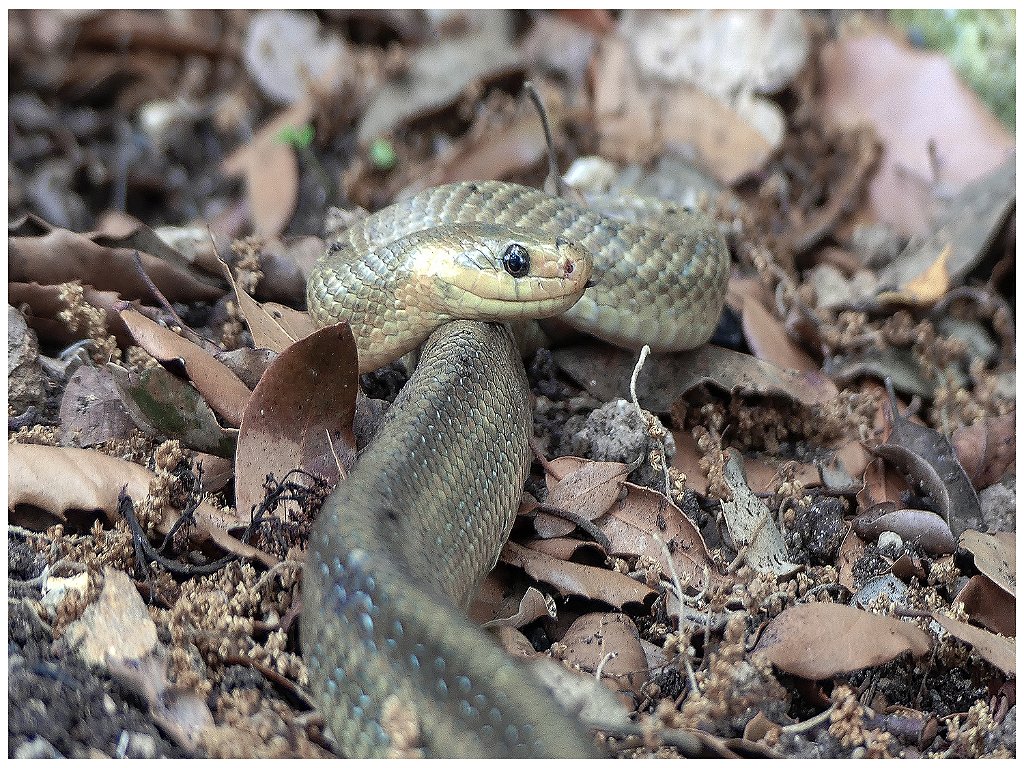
516, 260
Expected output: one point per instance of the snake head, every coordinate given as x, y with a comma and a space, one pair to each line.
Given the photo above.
487, 272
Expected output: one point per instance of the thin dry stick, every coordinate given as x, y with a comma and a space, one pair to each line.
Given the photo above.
554, 177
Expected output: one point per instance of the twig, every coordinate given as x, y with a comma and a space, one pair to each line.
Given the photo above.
581, 522
141, 270
554, 177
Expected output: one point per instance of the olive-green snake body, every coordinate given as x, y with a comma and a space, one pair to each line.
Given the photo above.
400, 548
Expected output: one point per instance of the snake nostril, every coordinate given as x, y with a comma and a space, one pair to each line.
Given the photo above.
570, 267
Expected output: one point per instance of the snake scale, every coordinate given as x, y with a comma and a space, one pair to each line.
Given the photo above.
399, 549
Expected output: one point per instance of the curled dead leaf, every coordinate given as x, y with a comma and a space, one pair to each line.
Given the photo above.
58, 480
927, 457
989, 605
61, 256
920, 526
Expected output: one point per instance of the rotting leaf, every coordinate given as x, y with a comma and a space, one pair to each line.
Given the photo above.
818, 640
634, 525
752, 525
850, 552
987, 448
927, 457
995, 555
605, 372
92, 410
162, 404
920, 526
300, 415
568, 578
585, 488
989, 605
999, 651
58, 480
219, 386
609, 642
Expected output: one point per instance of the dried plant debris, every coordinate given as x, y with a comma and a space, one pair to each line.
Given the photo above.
927, 457
785, 561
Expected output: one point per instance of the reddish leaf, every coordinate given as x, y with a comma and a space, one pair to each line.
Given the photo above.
300, 415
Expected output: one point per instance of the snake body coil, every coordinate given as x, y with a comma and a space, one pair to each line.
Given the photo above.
400, 547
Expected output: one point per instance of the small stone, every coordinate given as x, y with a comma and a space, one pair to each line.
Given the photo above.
616, 432
890, 543
37, 749
24, 374
141, 746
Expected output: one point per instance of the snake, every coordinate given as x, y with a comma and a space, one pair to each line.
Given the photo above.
400, 547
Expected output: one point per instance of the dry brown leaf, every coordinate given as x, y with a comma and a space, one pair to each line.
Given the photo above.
919, 526
606, 372
999, 651
819, 640
300, 415
92, 410
926, 457
608, 642
586, 488
61, 256
220, 387
752, 525
273, 326
271, 169
568, 578
44, 304
633, 524
769, 341
987, 448
989, 605
874, 78
58, 480
995, 556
